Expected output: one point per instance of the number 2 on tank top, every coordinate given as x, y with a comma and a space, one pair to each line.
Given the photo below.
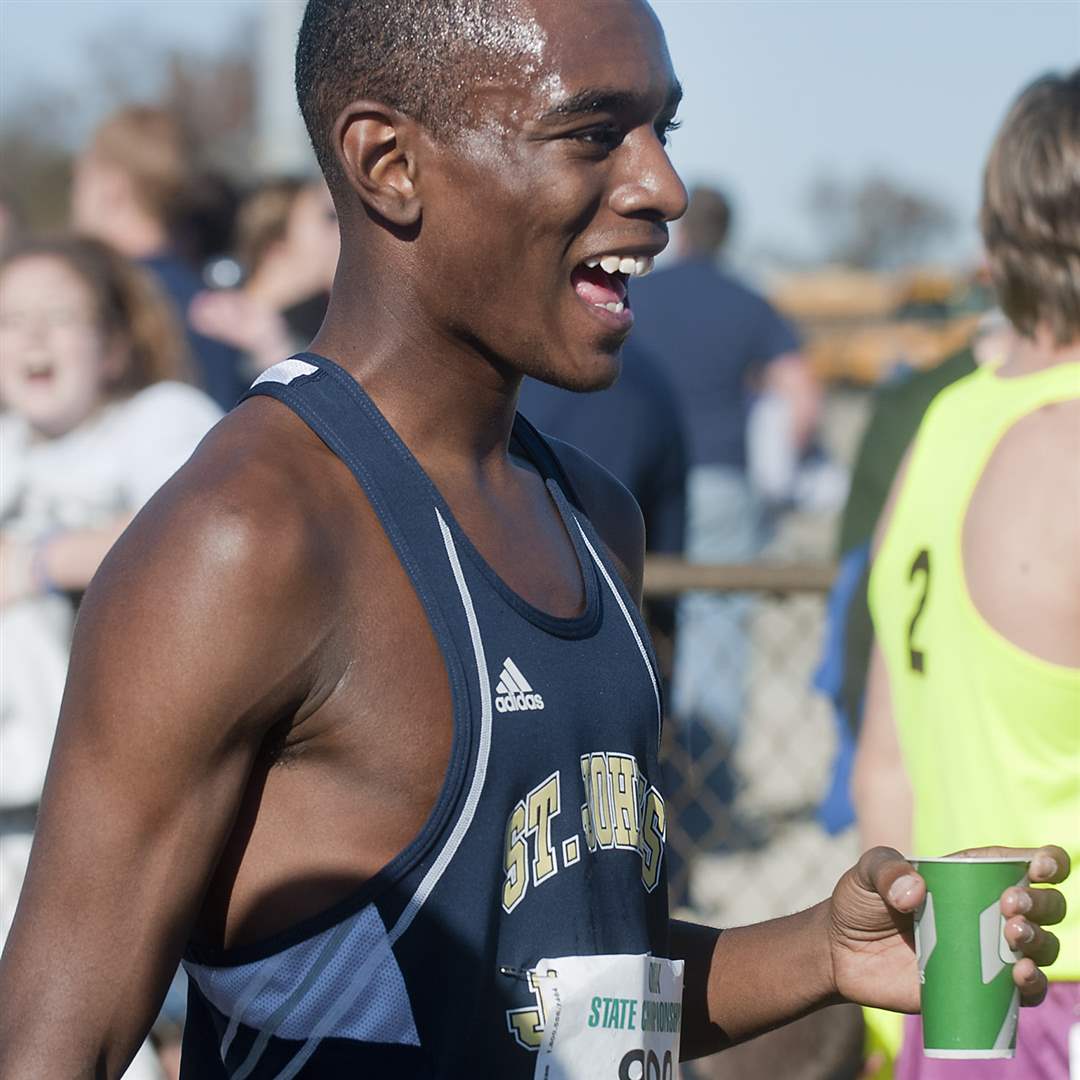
921, 565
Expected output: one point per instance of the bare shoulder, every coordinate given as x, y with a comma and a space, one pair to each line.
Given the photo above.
611, 508
244, 508
224, 570
1022, 534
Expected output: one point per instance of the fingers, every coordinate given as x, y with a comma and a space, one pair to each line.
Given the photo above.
1030, 981
1026, 911
1046, 907
1037, 944
885, 871
1048, 864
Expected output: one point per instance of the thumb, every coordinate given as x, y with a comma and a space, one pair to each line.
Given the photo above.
885, 871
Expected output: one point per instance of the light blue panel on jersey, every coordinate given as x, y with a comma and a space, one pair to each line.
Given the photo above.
287, 994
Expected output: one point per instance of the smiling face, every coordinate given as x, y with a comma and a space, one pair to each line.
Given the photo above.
558, 190
54, 359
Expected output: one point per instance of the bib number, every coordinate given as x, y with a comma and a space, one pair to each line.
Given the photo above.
609, 1018
916, 656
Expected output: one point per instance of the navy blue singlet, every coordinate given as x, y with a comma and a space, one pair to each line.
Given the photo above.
547, 839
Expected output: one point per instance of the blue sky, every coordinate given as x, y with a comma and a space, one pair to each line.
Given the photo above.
777, 91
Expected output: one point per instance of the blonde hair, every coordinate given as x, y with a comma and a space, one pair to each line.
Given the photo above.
132, 311
263, 219
149, 146
1030, 216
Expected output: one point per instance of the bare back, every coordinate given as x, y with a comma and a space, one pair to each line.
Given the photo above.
1022, 535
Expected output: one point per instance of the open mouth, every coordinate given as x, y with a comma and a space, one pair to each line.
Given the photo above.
600, 281
39, 372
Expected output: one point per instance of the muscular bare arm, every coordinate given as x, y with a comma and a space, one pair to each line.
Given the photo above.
174, 682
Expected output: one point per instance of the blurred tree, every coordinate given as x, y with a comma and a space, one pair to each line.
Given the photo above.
876, 223
35, 160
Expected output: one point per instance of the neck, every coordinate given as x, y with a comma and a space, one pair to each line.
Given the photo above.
1028, 355
452, 405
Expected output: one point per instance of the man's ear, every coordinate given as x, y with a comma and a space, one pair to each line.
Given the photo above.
375, 150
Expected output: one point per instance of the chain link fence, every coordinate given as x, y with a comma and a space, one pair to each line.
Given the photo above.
742, 809
743, 840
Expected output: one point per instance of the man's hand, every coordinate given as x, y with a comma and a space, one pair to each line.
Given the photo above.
871, 937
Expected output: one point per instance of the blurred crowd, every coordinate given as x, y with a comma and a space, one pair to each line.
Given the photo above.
126, 337
123, 339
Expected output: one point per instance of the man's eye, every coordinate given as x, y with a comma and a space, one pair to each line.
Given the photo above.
665, 129
606, 137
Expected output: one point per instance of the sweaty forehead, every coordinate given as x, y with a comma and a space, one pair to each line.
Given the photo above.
562, 47
599, 35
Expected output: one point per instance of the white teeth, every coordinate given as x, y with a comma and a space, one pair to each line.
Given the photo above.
615, 309
630, 265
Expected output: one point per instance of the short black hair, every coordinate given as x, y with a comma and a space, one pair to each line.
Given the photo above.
407, 54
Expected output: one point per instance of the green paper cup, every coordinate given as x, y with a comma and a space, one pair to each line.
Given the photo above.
969, 1002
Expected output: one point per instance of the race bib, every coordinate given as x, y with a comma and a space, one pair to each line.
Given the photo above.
609, 1018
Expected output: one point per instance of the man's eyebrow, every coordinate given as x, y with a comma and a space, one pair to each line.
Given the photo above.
604, 99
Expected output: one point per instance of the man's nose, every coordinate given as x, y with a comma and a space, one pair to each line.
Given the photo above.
649, 186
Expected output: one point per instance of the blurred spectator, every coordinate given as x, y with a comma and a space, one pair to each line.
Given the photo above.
635, 430
93, 423
898, 410
724, 348
970, 729
287, 245
129, 190
204, 224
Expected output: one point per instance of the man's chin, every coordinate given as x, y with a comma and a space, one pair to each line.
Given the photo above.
585, 375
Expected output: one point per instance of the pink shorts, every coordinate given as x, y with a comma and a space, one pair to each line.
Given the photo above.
1042, 1045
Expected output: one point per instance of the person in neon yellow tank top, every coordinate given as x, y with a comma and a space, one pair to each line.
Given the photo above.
972, 723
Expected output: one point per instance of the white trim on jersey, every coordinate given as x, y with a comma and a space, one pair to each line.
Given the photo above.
286, 371
358, 984
630, 623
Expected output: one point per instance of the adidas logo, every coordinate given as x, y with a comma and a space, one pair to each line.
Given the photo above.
514, 694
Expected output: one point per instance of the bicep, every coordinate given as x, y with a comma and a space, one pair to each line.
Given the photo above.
161, 721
